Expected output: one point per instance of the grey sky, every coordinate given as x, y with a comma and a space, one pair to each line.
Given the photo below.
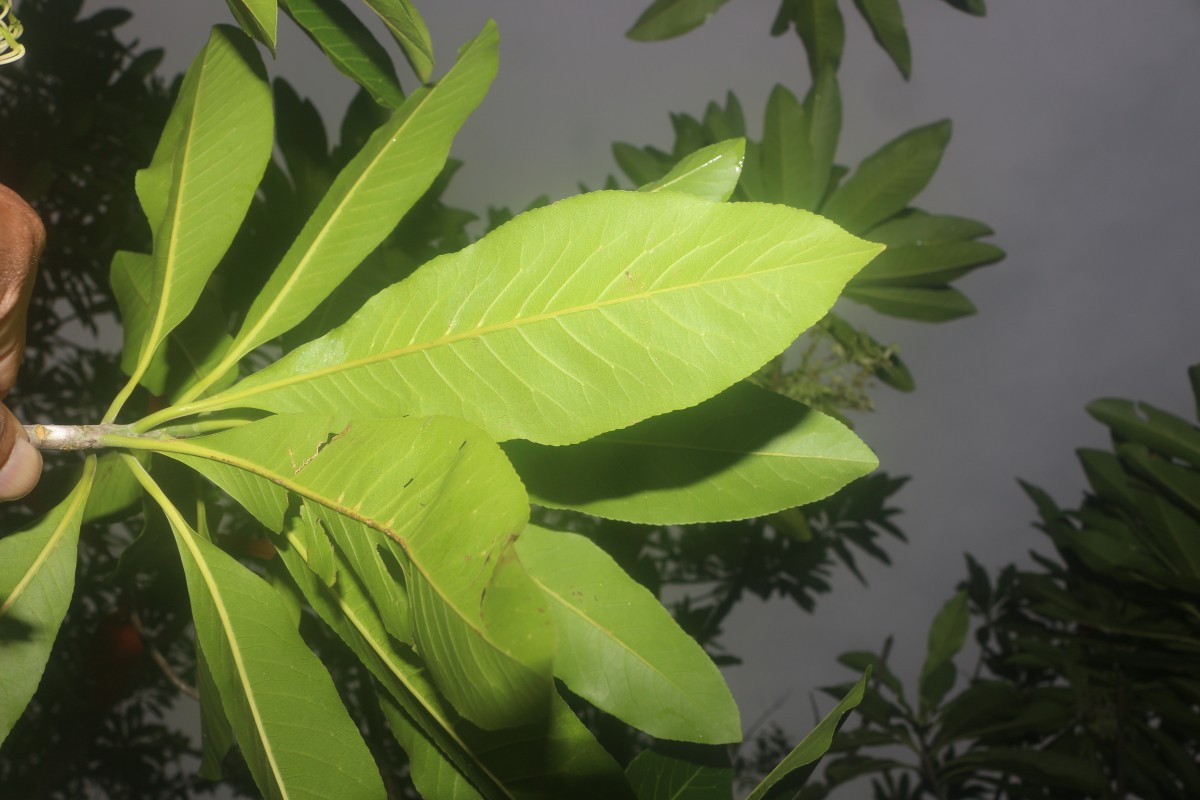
1077, 125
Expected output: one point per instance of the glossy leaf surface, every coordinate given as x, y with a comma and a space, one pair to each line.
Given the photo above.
620, 649
745, 453
710, 173
349, 46
37, 579
574, 319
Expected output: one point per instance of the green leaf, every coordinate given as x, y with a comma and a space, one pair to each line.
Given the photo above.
289, 722
408, 28
433, 493
913, 227
349, 46
887, 26
216, 734
202, 178
258, 18
927, 264
37, 579
821, 28
886, 181
745, 453
925, 304
433, 775
710, 173
946, 638
661, 776
620, 649
823, 112
976, 7
665, 19
527, 332
642, 165
370, 195
1143, 423
785, 153
795, 770
116, 491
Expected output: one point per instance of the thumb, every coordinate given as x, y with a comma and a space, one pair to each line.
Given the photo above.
20, 462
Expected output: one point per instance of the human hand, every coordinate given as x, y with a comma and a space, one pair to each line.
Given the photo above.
21, 239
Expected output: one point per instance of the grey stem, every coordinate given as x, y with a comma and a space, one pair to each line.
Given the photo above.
70, 437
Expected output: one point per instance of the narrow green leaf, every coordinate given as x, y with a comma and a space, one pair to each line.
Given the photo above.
977, 8
349, 45
887, 181
433, 775
785, 153
291, 726
37, 579
214, 150
621, 650
823, 111
370, 195
919, 303
914, 227
929, 265
408, 28
1143, 423
710, 173
795, 770
661, 776
434, 493
745, 453
665, 19
643, 165
1179, 483
216, 734
258, 18
821, 28
527, 332
946, 638
887, 26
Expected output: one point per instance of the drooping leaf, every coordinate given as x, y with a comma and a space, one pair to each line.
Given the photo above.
584, 316
940, 304
433, 775
927, 264
745, 453
408, 28
620, 649
821, 28
656, 775
202, 177
665, 19
799, 764
887, 181
434, 493
1143, 423
369, 196
349, 46
258, 18
37, 579
976, 7
710, 173
887, 26
946, 637
296, 736
915, 227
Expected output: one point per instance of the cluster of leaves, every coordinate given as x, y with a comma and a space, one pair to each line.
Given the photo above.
601, 332
818, 23
1085, 685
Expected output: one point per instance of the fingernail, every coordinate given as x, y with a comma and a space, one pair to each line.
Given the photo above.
20, 473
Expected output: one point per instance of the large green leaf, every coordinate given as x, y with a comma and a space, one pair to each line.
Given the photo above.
710, 173
799, 764
665, 19
258, 18
369, 196
432, 774
37, 579
289, 722
745, 453
434, 493
936, 304
662, 776
349, 46
574, 319
947, 635
620, 649
886, 181
887, 25
408, 29
201, 180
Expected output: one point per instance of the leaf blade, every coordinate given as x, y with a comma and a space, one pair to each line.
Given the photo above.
710, 173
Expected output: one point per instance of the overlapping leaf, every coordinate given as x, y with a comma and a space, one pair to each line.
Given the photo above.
258, 18
37, 579
620, 649
408, 29
710, 173
369, 196
745, 453
663, 776
574, 319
